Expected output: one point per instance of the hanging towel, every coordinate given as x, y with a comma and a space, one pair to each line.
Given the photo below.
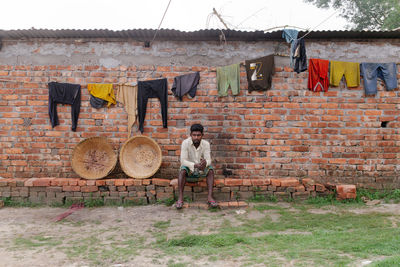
350, 70
186, 84
64, 93
290, 36
372, 71
259, 73
152, 89
228, 76
300, 56
318, 79
127, 95
102, 91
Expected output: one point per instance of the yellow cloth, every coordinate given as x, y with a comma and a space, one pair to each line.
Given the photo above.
127, 95
350, 70
103, 91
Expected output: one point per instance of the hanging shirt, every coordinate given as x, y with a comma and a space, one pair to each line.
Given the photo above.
186, 84
290, 36
318, 79
127, 95
228, 77
64, 93
300, 56
102, 91
259, 73
191, 155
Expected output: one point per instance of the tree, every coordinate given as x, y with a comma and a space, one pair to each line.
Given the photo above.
365, 14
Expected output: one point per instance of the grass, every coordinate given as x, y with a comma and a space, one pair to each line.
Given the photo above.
306, 238
36, 241
281, 234
388, 262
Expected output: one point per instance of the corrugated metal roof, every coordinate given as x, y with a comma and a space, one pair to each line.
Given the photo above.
201, 35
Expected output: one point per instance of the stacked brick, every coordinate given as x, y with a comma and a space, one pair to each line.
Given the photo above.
148, 191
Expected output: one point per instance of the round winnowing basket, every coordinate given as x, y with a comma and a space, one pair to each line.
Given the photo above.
140, 157
94, 158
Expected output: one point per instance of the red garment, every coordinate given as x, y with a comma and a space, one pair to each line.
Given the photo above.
318, 79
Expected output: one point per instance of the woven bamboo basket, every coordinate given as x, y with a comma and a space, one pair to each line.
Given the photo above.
140, 157
94, 158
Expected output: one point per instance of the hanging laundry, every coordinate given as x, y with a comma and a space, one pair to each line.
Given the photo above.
186, 84
127, 95
228, 76
350, 70
152, 89
318, 79
259, 73
385, 71
102, 91
97, 102
300, 56
64, 93
290, 36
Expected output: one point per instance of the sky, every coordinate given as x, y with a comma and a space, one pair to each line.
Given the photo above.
185, 15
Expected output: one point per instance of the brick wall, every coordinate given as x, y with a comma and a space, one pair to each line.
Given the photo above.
286, 132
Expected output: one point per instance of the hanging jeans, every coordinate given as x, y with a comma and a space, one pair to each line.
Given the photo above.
64, 93
385, 71
152, 89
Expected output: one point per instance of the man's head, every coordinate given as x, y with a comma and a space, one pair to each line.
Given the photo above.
196, 132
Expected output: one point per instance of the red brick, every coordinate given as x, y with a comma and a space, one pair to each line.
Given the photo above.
43, 182
345, 189
275, 182
308, 181
100, 182
89, 188
233, 182
146, 181
119, 182
289, 182
29, 182
160, 182
320, 188
129, 182
74, 188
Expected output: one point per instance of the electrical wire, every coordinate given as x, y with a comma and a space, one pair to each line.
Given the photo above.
165, 12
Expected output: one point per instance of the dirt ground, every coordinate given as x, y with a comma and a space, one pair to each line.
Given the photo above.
31, 237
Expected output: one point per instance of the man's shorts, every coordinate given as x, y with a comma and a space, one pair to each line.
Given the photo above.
193, 177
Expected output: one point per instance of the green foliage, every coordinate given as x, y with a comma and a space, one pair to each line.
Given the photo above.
213, 240
386, 195
162, 224
365, 14
36, 241
262, 198
9, 202
388, 262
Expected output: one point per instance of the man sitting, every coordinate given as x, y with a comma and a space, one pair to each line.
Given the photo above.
195, 164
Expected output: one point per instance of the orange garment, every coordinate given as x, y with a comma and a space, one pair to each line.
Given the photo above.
318, 79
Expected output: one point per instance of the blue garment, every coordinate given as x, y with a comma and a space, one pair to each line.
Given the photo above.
385, 71
290, 36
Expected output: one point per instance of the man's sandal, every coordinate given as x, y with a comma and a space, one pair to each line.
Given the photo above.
212, 204
179, 204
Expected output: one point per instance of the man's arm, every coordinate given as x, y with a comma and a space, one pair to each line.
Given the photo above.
185, 157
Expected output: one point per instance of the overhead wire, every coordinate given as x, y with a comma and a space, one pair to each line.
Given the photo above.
165, 12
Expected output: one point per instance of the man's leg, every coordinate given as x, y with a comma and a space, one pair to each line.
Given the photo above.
181, 183
210, 185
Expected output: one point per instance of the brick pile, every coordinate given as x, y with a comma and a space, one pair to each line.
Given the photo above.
148, 191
